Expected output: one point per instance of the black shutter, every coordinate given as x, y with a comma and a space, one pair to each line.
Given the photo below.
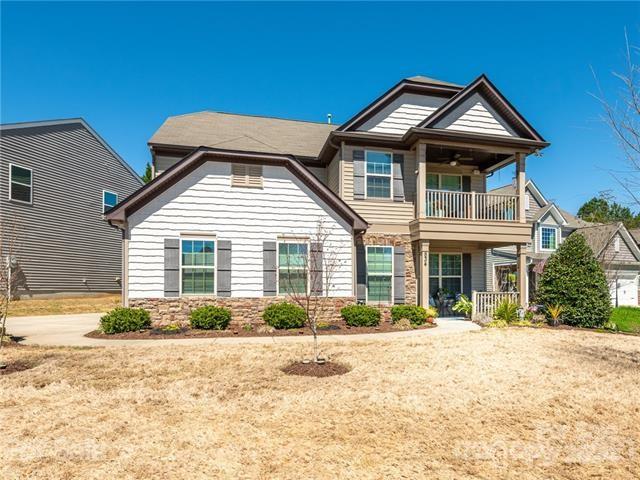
361, 274
466, 183
398, 177
224, 268
269, 269
398, 275
466, 274
358, 175
171, 267
315, 269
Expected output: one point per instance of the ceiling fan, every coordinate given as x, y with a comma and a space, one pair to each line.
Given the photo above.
455, 159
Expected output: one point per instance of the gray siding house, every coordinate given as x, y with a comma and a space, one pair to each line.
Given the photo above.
57, 180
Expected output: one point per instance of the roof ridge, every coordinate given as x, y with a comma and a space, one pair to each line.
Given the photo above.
335, 125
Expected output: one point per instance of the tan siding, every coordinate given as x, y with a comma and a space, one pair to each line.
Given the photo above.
333, 175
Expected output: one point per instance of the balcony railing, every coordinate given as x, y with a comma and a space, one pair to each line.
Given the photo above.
485, 303
471, 206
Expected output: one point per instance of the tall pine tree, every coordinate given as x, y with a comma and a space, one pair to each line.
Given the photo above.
146, 178
573, 278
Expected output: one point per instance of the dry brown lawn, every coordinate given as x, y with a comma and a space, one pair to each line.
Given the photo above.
515, 403
57, 306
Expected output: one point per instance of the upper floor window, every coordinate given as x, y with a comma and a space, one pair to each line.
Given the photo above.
21, 184
380, 274
450, 183
548, 238
197, 266
378, 172
292, 267
109, 200
527, 201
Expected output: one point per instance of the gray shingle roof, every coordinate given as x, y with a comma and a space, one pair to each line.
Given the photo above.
432, 81
598, 236
244, 132
635, 233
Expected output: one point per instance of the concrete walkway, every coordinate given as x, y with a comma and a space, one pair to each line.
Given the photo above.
69, 330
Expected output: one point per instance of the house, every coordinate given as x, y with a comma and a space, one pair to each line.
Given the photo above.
612, 244
401, 185
58, 178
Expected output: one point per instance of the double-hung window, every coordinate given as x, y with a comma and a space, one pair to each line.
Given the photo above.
20, 184
109, 200
197, 266
379, 274
445, 274
292, 267
548, 238
449, 183
378, 173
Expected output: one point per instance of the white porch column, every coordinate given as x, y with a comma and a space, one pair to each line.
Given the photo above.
423, 270
522, 276
421, 180
520, 186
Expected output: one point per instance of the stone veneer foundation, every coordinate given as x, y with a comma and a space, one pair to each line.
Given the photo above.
165, 311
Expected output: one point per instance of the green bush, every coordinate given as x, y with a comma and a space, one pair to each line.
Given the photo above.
210, 317
123, 319
360, 316
284, 315
573, 278
463, 306
506, 311
416, 314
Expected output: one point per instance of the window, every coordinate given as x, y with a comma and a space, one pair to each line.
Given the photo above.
616, 245
243, 175
527, 201
450, 183
292, 267
380, 274
445, 274
197, 266
378, 175
21, 184
109, 200
548, 238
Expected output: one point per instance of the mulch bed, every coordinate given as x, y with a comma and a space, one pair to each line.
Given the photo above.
336, 328
312, 369
17, 366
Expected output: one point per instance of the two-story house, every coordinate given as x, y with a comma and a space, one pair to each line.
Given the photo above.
613, 245
57, 179
401, 184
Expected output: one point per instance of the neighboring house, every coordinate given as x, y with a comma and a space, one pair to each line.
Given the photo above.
613, 245
402, 186
58, 178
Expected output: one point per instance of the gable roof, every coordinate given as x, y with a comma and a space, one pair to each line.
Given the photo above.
188, 164
510, 189
243, 133
70, 121
599, 236
483, 86
635, 233
551, 209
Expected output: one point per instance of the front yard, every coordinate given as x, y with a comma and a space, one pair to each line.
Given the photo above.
519, 403
627, 319
63, 305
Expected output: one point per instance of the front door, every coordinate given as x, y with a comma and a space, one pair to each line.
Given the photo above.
445, 281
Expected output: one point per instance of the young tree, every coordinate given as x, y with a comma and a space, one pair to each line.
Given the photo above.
8, 277
309, 274
148, 174
573, 279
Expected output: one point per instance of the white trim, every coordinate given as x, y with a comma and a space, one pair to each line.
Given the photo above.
215, 265
440, 276
367, 174
556, 229
295, 240
366, 260
30, 202
536, 192
558, 215
104, 204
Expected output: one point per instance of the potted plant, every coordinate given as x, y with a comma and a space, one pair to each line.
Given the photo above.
463, 306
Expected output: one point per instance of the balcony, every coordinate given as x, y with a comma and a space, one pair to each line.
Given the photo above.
486, 218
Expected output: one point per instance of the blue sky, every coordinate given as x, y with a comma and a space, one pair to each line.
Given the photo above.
125, 67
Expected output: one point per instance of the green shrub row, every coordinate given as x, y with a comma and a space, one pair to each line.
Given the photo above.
122, 319
284, 315
360, 316
415, 314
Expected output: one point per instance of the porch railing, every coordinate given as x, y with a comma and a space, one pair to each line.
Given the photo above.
471, 206
485, 303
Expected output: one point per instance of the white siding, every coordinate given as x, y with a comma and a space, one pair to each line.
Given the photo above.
205, 202
478, 120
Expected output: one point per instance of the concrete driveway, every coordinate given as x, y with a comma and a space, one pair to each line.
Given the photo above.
69, 330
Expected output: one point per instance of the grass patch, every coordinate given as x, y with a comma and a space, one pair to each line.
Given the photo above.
66, 305
627, 319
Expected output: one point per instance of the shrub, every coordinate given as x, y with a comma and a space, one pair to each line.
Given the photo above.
555, 314
284, 315
463, 306
416, 314
210, 317
360, 315
124, 319
506, 311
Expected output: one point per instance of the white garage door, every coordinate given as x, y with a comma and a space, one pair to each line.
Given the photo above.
627, 291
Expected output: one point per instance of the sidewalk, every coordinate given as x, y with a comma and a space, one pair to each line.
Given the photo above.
69, 330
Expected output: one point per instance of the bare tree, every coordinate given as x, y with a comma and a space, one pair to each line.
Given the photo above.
8, 277
309, 275
623, 116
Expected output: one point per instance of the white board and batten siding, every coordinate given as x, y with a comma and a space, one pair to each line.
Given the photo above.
205, 202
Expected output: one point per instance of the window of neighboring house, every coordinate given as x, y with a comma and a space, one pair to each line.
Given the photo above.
292, 267
445, 274
548, 238
616, 245
243, 175
380, 275
378, 173
527, 201
109, 200
197, 266
21, 184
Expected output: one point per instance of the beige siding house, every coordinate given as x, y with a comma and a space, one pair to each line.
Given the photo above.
402, 184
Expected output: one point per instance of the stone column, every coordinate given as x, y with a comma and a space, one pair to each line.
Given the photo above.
520, 186
522, 275
423, 269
